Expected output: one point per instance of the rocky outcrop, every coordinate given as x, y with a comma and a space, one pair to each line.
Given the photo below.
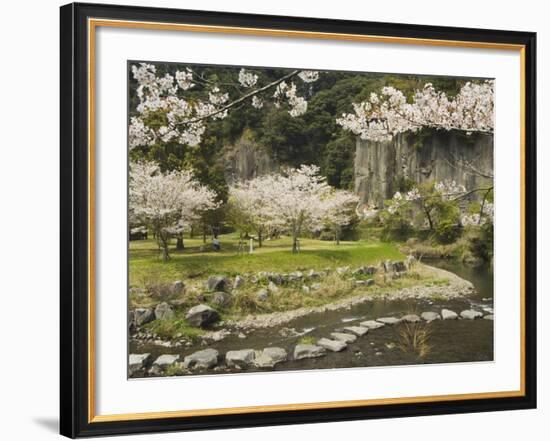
246, 159
379, 166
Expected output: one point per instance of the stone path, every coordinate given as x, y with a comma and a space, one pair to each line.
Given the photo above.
337, 341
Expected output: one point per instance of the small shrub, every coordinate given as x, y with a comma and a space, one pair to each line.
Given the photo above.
307, 340
414, 338
171, 328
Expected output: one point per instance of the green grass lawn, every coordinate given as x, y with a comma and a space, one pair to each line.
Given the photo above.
147, 268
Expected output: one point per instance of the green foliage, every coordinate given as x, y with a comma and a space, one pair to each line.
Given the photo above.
307, 340
447, 231
480, 241
176, 327
396, 225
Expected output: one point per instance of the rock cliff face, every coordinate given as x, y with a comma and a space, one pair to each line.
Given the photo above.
246, 160
379, 166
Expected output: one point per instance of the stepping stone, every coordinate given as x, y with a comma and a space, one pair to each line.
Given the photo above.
372, 324
269, 357
308, 351
489, 317
430, 316
166, 360
242, 358
137, 362
470, 314
447, 314
204, 359
388, 320
343, 336
359, 331
410, 318
332, 345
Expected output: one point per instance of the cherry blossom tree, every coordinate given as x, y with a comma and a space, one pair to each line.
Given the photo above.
168, 113
166, 202
251, 203
388, 113
339, 209
295, 199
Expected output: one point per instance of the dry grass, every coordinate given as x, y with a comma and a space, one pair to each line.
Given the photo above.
415, 338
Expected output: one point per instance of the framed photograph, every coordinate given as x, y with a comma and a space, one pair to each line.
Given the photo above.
274, 220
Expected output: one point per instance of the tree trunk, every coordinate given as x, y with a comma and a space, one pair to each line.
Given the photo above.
295, 247
259, 238
430, 222
165, 255
337, 236
179, 242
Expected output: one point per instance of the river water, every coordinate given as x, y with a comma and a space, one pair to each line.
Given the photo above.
450, 341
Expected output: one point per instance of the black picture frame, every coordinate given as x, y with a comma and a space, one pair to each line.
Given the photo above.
74, 191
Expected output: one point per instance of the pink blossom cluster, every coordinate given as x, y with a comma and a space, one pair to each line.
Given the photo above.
388, 113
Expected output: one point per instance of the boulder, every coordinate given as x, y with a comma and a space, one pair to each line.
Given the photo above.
238, 282
344, 336
359, 331
306, 289
178, 287
166, 360
143, 316
430, 316
332, 345
272, 287
312, 274
316, 286
222, 299
398, 266
219, 335
275, 278
137, 362
410, 318
202, 315
410, 261
164, 311
489, 317
372, 324
364, 270
308, 351
370, 282
447, 314
295, 276
470, 314
388, 320
262, 295
269, 357
240, 359
343, 270
204, 359
217, 283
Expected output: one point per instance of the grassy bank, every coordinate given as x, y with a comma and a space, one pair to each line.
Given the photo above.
147, 268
